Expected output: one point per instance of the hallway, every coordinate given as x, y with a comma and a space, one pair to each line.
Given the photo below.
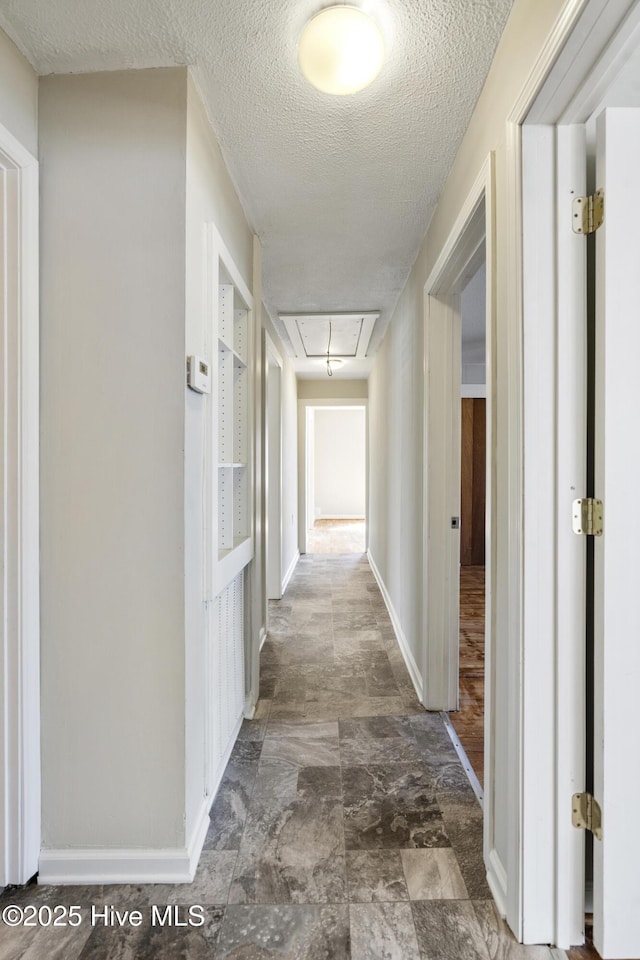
357, 832
344, 826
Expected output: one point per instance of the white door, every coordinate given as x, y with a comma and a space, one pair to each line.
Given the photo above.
617, 582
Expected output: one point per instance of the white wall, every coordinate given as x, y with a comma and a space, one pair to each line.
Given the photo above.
339, 463
210, 197
112, 442
396, 410
289, 395
395, 463
18, 95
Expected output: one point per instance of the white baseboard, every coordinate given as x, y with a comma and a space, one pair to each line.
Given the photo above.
464, 759
289, 573
409, 660
91, 866
497, 880
198, 835
117, 866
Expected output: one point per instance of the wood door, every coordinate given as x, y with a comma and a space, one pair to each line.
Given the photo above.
472, 482
617, 472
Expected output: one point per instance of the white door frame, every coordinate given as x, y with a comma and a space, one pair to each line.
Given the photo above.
273, 473
472, 238
20, 597
548, 360
303, 506
458, 261
309, 473
616, 774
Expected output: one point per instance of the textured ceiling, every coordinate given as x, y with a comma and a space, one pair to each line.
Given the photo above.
340, 190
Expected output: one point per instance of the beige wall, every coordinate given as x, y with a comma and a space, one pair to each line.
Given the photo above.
131, 176
18, 95
112, 440
332, 389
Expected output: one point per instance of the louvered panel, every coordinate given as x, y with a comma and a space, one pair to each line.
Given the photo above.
227, 671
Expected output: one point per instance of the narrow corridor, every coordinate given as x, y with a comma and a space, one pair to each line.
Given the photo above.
356, 830
344, 827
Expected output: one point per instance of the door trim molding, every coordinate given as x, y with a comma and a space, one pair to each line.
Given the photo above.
474, 227
271, 353
303, 406
20, 687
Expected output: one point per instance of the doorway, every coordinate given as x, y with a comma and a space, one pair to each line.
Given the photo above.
468, 721
333, 476
470, 244
336, 479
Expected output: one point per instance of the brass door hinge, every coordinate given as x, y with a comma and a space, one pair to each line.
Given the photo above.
588, 212
586, 814
587, 517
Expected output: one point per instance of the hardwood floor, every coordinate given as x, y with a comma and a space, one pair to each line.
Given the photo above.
468, 722
337, 536
588, 951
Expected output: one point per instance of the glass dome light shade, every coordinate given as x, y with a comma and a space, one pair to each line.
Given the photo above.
341, 50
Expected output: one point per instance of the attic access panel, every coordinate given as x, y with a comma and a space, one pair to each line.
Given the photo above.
350, 334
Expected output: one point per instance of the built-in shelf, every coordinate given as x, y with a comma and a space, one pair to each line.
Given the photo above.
237, 542
232, 311
237, 359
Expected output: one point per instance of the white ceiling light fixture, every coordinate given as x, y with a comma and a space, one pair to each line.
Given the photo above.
341, 50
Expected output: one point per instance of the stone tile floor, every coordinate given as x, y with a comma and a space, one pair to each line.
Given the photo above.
344, 827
